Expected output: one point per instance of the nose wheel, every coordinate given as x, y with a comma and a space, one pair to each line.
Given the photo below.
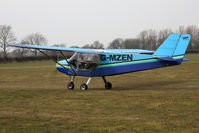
83, 87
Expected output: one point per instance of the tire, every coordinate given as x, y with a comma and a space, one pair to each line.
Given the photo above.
83, 87
70, 86
108, 85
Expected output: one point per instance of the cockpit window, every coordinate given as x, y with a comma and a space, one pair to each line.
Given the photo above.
84, 62
88, 57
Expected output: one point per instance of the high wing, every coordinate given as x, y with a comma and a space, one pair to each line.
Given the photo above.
81, 50
53, 48
139, 51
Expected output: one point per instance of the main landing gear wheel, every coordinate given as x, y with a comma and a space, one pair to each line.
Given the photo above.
70, 86
108, 85
84, 87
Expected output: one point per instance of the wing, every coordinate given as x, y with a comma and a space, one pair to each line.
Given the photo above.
139, 51
52, 48
81, 50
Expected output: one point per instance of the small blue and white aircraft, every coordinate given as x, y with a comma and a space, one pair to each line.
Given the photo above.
107, 62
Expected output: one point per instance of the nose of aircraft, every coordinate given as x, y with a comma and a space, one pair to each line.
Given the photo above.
60, 66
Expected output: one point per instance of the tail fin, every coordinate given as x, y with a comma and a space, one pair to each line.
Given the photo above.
174, 45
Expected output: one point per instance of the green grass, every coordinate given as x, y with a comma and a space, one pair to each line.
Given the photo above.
34, 99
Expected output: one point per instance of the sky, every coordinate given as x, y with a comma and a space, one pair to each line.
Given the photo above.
80, 22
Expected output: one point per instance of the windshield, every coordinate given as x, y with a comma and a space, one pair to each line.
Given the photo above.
84, 62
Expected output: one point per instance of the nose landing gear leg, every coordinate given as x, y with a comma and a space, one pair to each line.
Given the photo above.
108, 85
85, 86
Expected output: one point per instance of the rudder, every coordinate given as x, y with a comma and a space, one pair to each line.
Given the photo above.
174, 45
182, 45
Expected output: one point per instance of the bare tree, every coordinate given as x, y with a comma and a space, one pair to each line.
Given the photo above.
21, 52
6, 37
151, 39
97, 45
132, 44
194, 32
116, 44
86, 46
94, 45
162, 35
36, 39
181, 30
148, 39
143, 37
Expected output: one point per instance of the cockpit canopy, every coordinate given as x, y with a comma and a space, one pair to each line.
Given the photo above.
84, 62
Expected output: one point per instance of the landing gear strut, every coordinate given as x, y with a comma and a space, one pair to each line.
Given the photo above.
85, 86
108, 85
71, 85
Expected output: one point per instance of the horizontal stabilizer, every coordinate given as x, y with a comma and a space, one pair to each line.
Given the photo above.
185, 59
166, 58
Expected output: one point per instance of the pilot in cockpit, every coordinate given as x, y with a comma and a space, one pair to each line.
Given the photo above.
85, 62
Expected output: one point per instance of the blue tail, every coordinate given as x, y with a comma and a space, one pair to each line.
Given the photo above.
174, 45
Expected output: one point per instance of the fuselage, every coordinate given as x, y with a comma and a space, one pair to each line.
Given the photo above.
117, 63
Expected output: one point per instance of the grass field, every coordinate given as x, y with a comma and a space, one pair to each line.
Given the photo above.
34, 99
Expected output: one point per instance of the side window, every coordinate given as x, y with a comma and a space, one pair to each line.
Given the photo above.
87, 62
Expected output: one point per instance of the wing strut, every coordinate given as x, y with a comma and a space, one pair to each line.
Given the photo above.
56, 61
68, 62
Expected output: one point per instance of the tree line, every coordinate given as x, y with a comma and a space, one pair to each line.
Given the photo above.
152, 39
146, 39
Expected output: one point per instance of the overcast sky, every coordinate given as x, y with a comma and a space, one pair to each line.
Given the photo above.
79, 22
